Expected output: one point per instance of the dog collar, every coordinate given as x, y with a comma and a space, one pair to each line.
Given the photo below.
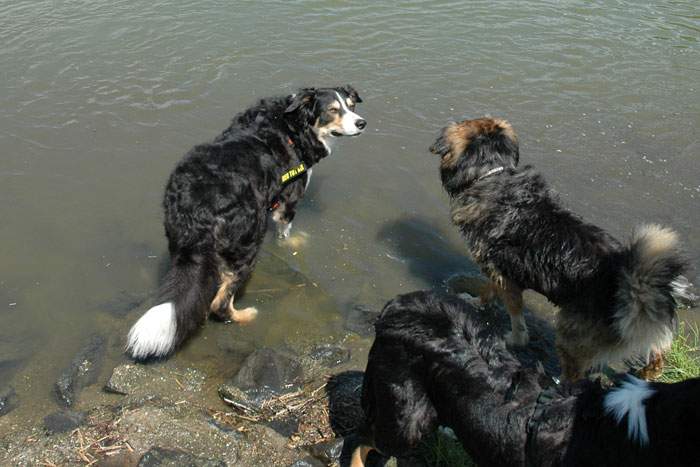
293, 174
492, 172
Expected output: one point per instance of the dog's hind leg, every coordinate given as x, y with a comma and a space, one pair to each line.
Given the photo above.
512, 297
359, 455
488, 292
222, 304
572, 368
223, 294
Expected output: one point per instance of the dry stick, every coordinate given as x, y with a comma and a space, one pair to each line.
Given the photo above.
313, 393
276, 289
179, 384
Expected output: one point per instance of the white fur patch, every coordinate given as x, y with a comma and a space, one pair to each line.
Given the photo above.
350, 118
153, 335
628, 400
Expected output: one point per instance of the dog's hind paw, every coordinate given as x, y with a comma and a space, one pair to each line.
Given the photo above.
244, 316
520, 339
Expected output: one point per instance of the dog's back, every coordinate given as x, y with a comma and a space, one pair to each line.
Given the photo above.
415, 381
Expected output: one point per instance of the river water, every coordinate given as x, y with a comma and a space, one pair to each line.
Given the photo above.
99, 99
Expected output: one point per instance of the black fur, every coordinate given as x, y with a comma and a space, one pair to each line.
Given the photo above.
435, 362
218, 198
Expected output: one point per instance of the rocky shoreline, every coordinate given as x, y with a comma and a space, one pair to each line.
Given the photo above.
274, 411
297, 404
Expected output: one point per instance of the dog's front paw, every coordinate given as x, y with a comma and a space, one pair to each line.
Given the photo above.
517, 339
284, 230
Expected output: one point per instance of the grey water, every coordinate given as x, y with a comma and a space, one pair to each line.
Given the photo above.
99, 99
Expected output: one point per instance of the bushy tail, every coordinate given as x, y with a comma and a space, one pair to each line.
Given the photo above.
651, 285
183, 301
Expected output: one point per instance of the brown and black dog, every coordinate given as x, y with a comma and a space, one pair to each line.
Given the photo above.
617, 301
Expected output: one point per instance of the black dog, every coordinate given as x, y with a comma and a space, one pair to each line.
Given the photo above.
217, 204
617, 301
434, 362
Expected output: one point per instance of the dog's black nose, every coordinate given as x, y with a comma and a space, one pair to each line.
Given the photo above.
361, 124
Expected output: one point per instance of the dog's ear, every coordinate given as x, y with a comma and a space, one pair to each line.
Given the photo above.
304, 98
352, 93
441, 146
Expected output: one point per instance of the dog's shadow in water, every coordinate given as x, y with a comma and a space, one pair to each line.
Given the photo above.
433, 259
427, 253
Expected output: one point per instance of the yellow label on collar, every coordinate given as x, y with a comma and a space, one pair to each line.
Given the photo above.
293, 173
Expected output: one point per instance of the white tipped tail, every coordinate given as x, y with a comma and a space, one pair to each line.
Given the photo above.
628, 400
154, 333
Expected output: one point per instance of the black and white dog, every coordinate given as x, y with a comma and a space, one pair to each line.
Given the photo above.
436, 360
217, 204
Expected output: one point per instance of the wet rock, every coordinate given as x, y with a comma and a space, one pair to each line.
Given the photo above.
285, 426
119, 459
361, 320
150, 380
330, 355
82, 371
8, 400
237, 348
157, 457
8, 367
345, 402
63, 421
308, 461
328, 452
269, 369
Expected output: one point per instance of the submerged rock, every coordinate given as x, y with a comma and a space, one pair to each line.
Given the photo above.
157, 457
328, 451
360, 319
63, 421
269, 369
8, 400
265, 374
82, 371
329, 355
123, 303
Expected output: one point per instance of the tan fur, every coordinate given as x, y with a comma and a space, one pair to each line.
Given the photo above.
336, 124
657, 239
226, 279
244, 316
654, 368
459, 135
466, 214
359, 455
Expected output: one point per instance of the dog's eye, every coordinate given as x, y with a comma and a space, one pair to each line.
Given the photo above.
333, 110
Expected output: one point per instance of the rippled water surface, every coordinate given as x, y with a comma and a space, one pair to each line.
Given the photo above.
98, 100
